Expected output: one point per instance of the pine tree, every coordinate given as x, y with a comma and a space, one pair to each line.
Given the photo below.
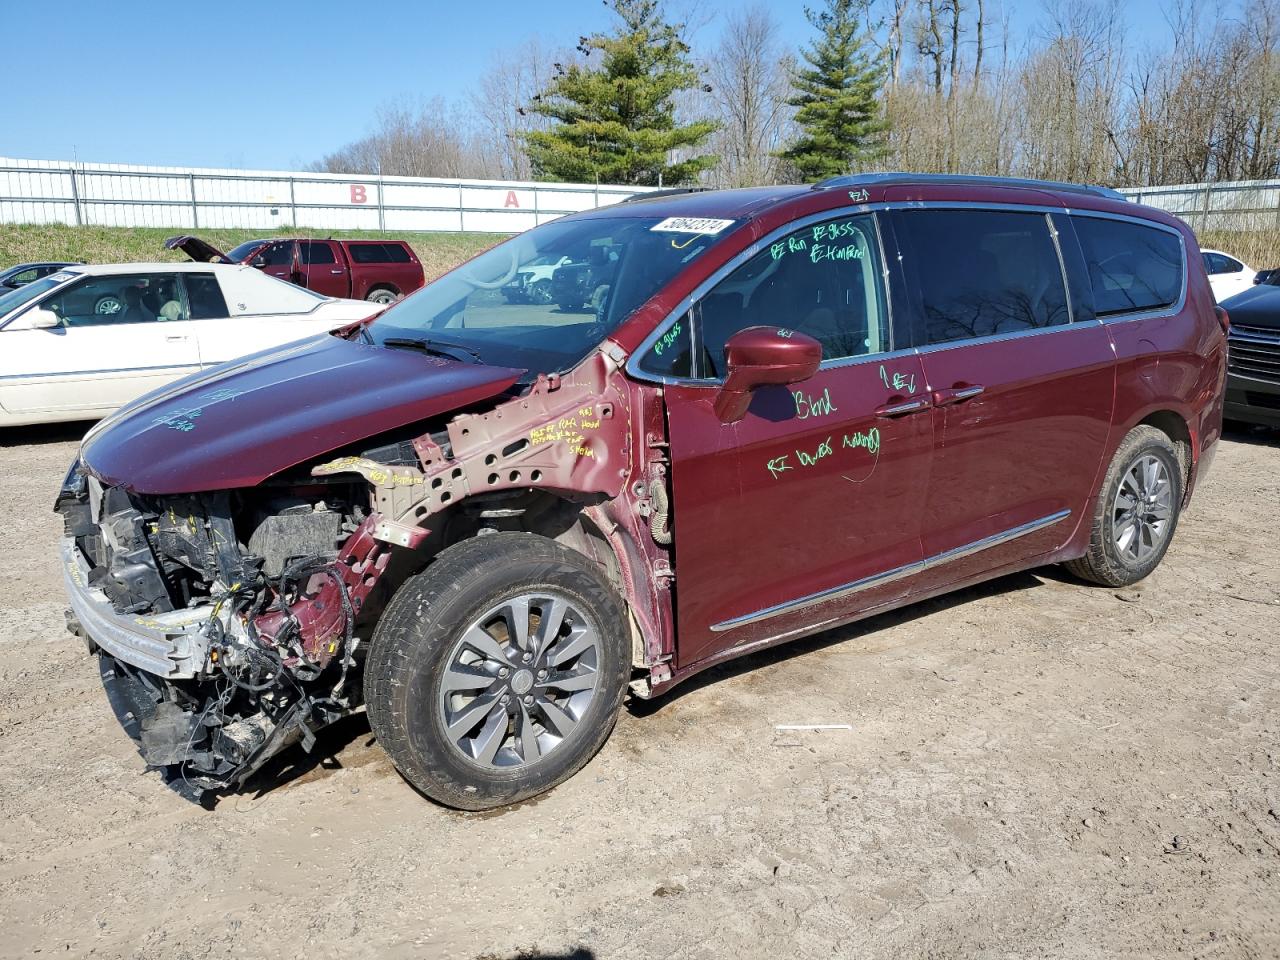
615, 121
836, 97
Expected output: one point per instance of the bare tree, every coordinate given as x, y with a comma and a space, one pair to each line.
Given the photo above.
501, 104
748, 76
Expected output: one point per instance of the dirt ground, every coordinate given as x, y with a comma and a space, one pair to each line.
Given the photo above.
1035, 768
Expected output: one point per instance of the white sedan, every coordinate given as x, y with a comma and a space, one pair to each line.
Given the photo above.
79, 343
1227, 275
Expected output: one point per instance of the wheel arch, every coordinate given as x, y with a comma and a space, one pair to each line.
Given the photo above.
1178, 429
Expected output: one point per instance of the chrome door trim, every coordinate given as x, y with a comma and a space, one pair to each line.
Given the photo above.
896, 573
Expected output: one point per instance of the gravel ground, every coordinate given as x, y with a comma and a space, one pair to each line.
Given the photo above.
1035, 768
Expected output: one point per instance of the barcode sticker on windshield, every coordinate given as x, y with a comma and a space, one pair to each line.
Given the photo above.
703, 225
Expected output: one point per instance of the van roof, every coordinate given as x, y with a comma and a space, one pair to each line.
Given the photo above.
746, 202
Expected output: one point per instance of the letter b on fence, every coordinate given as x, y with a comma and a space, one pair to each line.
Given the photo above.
359, 194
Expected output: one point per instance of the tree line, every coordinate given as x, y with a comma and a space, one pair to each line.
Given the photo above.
931, 86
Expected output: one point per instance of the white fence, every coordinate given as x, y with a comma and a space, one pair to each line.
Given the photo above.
1236, 205
120, 195
193, 198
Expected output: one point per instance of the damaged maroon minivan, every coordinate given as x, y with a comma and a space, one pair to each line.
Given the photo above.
777, 410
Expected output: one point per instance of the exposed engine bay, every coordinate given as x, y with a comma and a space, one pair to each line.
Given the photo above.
278, 577
231, 624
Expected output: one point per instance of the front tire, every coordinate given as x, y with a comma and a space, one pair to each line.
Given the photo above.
498, 672
1137, 511
382, 295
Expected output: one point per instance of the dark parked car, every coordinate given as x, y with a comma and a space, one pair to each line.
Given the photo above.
381, 271
487, 521
1253, 371
24, 273
1271, 277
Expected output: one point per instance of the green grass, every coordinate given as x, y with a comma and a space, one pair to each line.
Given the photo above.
23, 243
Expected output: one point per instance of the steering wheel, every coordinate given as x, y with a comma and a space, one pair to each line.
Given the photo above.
501, 281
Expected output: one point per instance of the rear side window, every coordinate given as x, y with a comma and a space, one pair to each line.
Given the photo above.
205, 297
368, 252
396, 253
984, 272
316, 252
1131, 267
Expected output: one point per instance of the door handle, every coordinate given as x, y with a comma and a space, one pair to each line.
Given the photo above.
902, 408
956, 394
335, 272
175, 338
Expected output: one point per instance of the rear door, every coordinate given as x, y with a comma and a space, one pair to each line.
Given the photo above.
807, 509
324, 268
119, 336
1022, 380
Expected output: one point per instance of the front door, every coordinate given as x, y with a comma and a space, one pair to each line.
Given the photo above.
118, 336
278, 260
805, 511
1022, 384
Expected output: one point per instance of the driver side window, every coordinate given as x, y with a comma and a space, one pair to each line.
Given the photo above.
824, 280
119, 299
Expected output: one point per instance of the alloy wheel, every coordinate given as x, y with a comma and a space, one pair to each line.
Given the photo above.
1142, 511
519, 680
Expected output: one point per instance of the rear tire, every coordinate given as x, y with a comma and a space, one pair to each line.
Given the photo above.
383, 295
1137, 511
498, 672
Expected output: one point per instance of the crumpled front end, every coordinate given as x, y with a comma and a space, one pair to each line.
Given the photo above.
224, 625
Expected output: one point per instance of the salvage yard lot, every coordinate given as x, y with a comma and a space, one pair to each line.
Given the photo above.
1035, 768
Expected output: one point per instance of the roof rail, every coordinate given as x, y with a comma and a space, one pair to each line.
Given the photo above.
667, 192
886, 179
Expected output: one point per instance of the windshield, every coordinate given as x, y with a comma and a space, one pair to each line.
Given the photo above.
239, 253
24, 294
546, 320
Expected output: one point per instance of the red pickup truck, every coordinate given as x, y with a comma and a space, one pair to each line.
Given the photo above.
382, 271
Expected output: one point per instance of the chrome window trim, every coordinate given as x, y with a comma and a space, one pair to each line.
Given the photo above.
1062, 267
1011, 335
896, 573
633, 368
1154, 313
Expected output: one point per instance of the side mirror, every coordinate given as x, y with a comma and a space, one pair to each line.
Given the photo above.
760, 356
43, 320
259, 262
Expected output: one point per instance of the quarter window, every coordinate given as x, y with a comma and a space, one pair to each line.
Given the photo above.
368, 253
1131, 267
984, 272
824, 280
205, 296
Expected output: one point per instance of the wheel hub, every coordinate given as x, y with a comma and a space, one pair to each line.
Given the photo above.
519, 679
1142, 509
522, 682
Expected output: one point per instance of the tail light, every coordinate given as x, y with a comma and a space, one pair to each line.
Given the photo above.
1224, 319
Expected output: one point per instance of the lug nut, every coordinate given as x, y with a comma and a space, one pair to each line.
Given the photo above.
528, 699
527, 657
506, 698
503, 672
542, 674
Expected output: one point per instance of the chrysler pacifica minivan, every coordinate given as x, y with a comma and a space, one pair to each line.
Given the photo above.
487, 519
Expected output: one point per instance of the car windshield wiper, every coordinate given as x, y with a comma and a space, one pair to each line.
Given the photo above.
436, 348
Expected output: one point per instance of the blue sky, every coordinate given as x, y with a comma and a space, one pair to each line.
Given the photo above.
274, 85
